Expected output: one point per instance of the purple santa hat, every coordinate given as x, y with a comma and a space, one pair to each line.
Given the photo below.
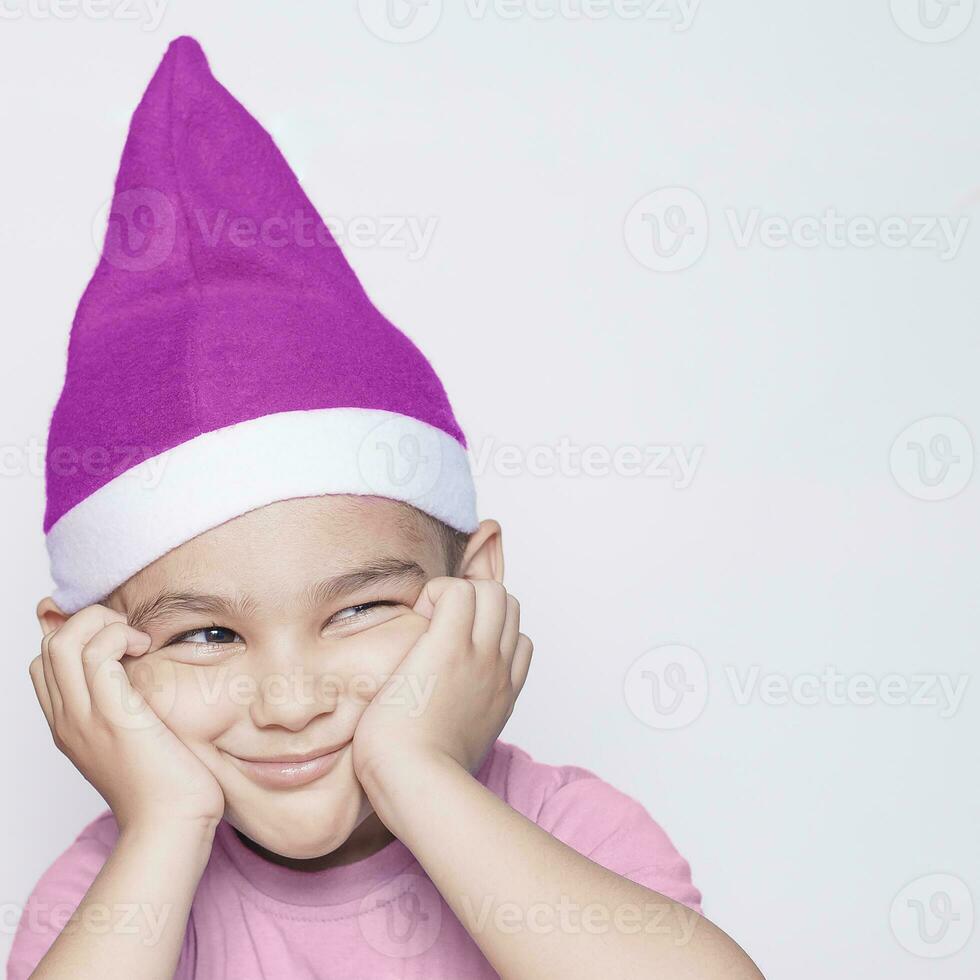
224, 355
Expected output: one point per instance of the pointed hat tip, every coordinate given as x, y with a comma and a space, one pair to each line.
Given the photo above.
186, 49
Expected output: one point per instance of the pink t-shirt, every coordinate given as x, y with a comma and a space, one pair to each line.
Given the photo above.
379, 917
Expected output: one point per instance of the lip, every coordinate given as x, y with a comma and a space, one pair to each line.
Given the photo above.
294, 769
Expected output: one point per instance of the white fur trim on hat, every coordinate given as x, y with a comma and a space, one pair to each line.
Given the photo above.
162, 502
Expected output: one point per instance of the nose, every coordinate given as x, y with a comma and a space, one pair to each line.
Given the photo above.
292, 687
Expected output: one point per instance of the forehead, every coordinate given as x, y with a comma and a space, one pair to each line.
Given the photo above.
284, 546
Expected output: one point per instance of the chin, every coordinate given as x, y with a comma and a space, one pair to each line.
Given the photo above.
300, 825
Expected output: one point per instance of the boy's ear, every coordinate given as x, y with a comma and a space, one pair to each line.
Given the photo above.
484, 554
49, 615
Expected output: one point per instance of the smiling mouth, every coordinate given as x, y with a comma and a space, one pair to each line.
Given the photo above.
284, 771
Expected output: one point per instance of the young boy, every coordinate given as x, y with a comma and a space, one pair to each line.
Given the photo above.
279, 644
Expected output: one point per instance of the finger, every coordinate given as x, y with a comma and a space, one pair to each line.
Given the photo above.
66, 667
521, 663
432, 592
64, 654
49, 682
491, 614
450, 604
113, 694
120, 701
113, 642
512, 625
41, 690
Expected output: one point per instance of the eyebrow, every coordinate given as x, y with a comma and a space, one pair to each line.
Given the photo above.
165, 603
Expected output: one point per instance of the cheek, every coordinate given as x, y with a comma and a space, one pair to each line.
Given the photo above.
370, 657
193, 702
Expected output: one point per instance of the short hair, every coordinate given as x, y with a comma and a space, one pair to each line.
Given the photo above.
451, 543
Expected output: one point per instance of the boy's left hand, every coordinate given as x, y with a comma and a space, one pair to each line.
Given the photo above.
453, 693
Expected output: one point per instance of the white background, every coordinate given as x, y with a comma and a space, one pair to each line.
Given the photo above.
528, 139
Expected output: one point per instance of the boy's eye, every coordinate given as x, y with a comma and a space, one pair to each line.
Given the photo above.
361, 609
215, 635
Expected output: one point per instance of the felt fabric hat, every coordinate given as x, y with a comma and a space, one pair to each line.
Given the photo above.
224, 355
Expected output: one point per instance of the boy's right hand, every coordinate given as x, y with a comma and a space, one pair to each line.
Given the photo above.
146, 774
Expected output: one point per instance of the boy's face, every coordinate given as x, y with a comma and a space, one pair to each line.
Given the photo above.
288, 674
